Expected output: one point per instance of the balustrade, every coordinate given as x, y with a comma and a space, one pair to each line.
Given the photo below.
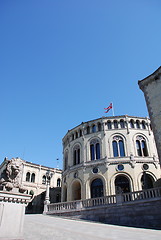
107, 200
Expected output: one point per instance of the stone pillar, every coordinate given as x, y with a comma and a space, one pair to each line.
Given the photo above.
47, 201
12, 212
47, 198
119, 199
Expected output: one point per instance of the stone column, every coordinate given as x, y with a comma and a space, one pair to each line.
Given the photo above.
47, 201
47, 198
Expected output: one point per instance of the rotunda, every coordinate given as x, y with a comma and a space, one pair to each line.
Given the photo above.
107, 156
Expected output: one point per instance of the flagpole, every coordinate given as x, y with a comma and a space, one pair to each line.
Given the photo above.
113, 110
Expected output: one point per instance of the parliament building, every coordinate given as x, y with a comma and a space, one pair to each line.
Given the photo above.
107, 156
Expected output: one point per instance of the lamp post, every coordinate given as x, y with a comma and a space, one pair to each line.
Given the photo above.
47, 198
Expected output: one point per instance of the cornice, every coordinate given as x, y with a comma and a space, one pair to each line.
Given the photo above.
14, 197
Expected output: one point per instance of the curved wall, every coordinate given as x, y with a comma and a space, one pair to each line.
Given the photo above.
109, 155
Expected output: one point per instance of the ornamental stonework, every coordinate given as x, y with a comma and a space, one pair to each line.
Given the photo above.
11, 176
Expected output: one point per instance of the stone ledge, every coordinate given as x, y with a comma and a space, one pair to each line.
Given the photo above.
14, 197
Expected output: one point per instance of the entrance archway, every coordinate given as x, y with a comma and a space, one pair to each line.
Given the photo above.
147, 181
97, 188
122, 184
76, 191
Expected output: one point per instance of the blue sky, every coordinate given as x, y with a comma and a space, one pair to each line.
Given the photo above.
63, 61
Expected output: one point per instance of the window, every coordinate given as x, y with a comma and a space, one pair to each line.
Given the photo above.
27, 177
120, 167
99, 126
147, 181
143, 125
58, 182
94, 128
44, 179
141, 147
88, 130
118, 147
72, 136
109, 125
137, 124
122, 184
122, 123
80, 132
138, 147
97, 188
76, 153
115, 124
132, 123
33, 177
66, 161
95, 149
95, 170
76, 135
145, 166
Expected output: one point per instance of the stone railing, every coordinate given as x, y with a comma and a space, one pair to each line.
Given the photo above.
79, 204
142, 195
124, 198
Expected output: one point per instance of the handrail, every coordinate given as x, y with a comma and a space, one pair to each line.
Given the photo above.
107, 200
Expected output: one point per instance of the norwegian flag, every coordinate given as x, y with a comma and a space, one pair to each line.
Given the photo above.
108, 108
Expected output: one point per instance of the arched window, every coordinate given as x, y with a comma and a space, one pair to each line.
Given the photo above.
80, 132
99, 126
27, 177
97, 188
122, 184
33, 177
88, 130
94, 128
132, 123
76, 155
143, 125
122, 123
44, 179
115, 124
109, 125
58, 182
141, 147
137, 124
72, 136
76, 135
147, 181
95, 149
118, 147
66, 161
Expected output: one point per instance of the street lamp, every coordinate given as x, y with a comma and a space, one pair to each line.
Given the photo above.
47, 198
